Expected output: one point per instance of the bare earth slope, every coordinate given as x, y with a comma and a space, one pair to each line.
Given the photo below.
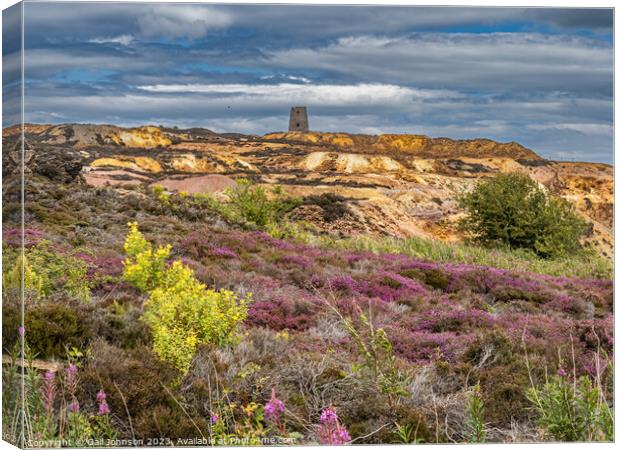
402, 185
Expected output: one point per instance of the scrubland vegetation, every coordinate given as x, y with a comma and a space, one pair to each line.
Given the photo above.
213, 321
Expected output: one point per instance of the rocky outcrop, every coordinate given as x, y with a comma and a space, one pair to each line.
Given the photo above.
59, 165
84, 135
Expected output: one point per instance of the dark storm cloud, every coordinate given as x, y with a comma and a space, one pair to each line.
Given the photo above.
579, 18
542, 77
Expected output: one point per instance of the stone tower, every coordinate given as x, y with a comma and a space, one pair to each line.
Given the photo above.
299, 119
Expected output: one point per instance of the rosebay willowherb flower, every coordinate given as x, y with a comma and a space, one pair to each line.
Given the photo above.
101, 396
329, 416
341, 436
103, 405
274, 408
71, 379
103, 408
48, 392
331, 431
74, 406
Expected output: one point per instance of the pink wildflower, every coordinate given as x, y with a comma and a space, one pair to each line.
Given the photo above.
101, 396
329, 416
331, 431
341, 436
274, 408
48, 391
103, 405
214, 418
104, 409
74, 406
72, 370
72, 379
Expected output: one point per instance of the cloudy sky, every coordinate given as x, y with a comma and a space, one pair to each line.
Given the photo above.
542, 77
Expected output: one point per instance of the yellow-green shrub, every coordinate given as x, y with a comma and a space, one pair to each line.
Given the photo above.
11, 279
45, 271
181, 312
144, 267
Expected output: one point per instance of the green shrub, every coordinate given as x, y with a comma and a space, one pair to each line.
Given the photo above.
573, 411
181, 312
503, 389
253, 203
51, 326
511, 209
11, 278
132, 379
145, 267
46, 271
295, 231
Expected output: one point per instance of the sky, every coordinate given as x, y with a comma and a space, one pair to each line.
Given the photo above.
541, 76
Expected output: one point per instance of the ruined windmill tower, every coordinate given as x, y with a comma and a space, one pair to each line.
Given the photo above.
299, 119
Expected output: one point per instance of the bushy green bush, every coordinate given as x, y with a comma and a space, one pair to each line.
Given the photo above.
52, 324
511, 209
46, 271
145, 267
256, 205
181, 312
11, 278
573, 411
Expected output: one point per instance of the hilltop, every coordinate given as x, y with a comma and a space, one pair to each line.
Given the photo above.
393, 184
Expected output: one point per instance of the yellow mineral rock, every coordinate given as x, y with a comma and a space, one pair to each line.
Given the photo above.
148, 164
190, 163
401, 142
140, 163
143, 137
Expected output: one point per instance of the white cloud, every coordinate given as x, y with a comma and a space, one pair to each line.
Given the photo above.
311, 94
583, 128
124, 39
181, 21
288, 77
302, 79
